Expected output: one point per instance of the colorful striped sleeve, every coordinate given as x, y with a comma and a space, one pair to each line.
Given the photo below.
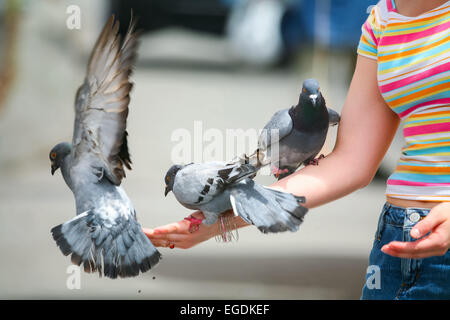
370, 34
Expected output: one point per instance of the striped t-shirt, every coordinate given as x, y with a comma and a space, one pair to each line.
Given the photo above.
413, 56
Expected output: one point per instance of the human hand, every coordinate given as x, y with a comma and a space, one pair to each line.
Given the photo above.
179, 235
436, 243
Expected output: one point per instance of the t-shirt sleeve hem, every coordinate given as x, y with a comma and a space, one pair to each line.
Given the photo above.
367, 55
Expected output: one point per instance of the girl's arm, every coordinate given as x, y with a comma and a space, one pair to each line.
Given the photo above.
366, 130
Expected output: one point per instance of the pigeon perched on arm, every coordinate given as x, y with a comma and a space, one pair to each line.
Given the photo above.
105, 235
215, 187
295, 136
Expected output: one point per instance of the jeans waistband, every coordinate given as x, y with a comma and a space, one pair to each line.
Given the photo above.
398, 215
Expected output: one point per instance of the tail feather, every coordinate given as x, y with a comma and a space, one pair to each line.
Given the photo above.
285, 200
120, 250
269, 210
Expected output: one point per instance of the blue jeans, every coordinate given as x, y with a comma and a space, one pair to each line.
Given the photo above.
400, 278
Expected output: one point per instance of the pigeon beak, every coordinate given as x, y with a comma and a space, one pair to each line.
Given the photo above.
54, 168
313, 98
166, 191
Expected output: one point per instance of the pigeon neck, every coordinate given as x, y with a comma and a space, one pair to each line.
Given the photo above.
305, 116
65, 171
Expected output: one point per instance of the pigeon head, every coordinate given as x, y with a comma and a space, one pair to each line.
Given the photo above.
57, 155
311, 94
169, 179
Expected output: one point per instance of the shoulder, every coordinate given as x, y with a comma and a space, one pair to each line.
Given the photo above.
374, 27
379, 14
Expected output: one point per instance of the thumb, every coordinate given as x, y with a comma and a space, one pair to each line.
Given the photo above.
433, 219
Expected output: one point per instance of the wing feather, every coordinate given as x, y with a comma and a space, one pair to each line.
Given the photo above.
101, 103
207, 180
280, 121
333, 117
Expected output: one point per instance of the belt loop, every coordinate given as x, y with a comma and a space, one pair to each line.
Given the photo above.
380, 227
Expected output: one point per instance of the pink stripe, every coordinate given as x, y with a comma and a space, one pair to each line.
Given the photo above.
405, 38
416, 77
417, 184
442, 102
389, 5
370, 31
431, 128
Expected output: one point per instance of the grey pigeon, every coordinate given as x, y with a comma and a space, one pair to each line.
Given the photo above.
105, 234
215, 187
295, 136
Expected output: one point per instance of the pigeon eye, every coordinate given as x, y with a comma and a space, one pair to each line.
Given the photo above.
53, 155
304, 90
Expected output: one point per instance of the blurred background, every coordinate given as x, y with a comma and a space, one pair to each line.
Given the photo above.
228, 63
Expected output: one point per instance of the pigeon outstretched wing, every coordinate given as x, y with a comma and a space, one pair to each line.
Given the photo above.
101, 105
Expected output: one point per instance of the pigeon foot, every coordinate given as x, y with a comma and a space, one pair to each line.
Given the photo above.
194, 223
315, 162
277, 171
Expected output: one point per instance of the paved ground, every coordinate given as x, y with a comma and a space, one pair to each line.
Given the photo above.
326, 259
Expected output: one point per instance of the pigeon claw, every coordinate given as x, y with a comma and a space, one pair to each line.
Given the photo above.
277, 171
194, 223
315, 162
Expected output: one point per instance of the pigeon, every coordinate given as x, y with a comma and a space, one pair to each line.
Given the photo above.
216, 187
105, 235
295, 136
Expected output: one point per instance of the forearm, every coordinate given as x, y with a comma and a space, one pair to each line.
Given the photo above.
336, 175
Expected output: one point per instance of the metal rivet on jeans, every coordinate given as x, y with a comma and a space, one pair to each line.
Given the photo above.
414, 217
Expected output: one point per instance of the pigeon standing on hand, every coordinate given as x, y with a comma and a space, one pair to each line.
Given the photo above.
215, 187
105, 235
298, 133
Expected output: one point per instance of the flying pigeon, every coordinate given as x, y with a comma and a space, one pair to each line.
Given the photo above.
215, 187
295, 136
105, 234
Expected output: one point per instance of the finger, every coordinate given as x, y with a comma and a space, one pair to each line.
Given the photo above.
171, 237
148, 232
157, 236
160, 242
431, 221
178, 241
421, 255
431, 243
176, 227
